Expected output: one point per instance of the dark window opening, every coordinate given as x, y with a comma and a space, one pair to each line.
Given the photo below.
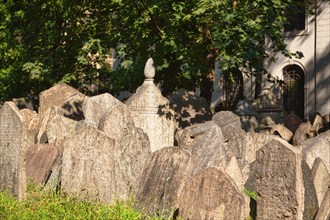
293, 90
295, 16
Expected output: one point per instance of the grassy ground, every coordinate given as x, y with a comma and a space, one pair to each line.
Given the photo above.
42, 205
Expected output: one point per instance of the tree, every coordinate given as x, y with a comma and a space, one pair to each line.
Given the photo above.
185, 38
44, 42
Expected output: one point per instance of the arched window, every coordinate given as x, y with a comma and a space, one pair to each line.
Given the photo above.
293, 90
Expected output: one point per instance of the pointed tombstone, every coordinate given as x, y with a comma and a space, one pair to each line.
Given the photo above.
279, 181
13, 146
96, 107
55, 96
151, 112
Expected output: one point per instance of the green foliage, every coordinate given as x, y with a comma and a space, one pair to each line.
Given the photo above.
44, 42
43, 204
251, 194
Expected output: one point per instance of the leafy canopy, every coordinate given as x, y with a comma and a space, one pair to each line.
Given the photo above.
44, 42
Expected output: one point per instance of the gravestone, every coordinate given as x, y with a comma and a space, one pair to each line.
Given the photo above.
324, 211
317, 147
73, 107
321, 179
40, 159
151, 111
229, 123
31, 122
282, 131
131, 147
305, 131
13, 146
211, 194
55, 96
316, 121
279, 181
96, 107
163, 179
59, 127
189, 108
89, 164
46, 117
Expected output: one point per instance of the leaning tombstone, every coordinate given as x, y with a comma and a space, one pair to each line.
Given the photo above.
13, 147
317, 121
151, 111
324, 211
55, 96
59, 127
279, 181
40, 159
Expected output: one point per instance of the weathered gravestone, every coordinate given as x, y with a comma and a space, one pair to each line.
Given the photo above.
229, 123
163, 179
31, 122
188, 108
282, 131
305, 131
324, 211
132, 147
151, 111
88, 165
55, 96
279, 181
96, 107
59, 127
321, 179
317, 147
40, 159
13, 146
211, 194
46, 117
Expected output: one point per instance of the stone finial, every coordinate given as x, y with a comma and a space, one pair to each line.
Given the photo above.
149, 69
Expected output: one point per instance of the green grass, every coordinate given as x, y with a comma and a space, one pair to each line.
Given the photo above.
43, 205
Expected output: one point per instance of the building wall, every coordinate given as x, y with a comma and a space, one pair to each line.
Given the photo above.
316, 60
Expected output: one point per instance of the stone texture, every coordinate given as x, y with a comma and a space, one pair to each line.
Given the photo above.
88, 165
229, 123
132, 146
163, 180
151, 112
324, 211
282, 131
189, 109
73, 107
96, 107
46, 117
55, 96
317, 121
321, 179
203, 196
99, 167
310, 197
279, 181
317, 147
59, 127
31, 122
13, 146
304, 132
40, 159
